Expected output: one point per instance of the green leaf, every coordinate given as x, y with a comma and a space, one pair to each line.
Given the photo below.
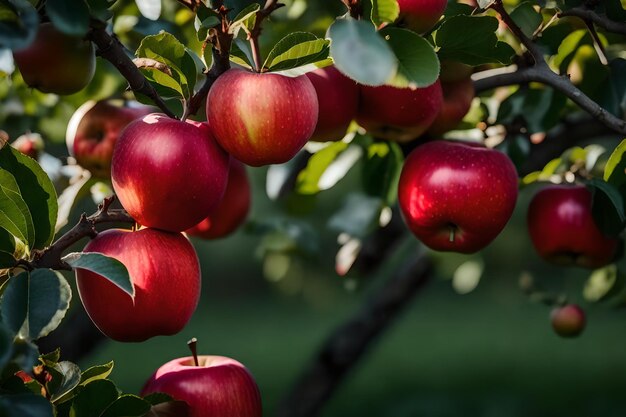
615, 170
12, 219
165, 48
25, 405
308, 180
296, 50
37, 191
245, 19
157, 398
539, 108
18, 25
109, 268
100, 9
361, 53
94, 399
96, 372
51, 358
418, 65
382, 169
170, 409
127, 406
607, 207
358, 216
602, 284
527, 18
384, 11
70, 17
472, 40
6, 345
65, 377
33, 304
9, 189
206, 18
241, 53
569, 47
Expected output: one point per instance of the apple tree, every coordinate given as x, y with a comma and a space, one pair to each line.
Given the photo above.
444, 110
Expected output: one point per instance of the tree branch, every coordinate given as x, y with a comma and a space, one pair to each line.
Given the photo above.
51, 256
350, 341
110, 48
255, 32
601, 20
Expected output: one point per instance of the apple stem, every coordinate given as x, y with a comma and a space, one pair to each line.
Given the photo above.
194, 351
452, 233
256, 52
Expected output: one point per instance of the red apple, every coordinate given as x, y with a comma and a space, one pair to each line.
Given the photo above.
452, 71
563, 231
457, 100
94, 128
262, 119
457, 196
168, 174
55, 62
399, 114
568, 321
338, 98
421, 15
165, 273
217, 387
232, 210
30, 144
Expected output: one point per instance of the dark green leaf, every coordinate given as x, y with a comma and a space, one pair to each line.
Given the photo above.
65, 377
296, 50
455, 9
100, 9
18, 25
568, 48
384, 11
308, 181
552, 37
517, 148
613, 89
6, 345
94, 399
206, 18
170, 409
615, 170
108, 267
418, 65
51, 358
127, 406
538, 108
9, 189
472, 40
607, 207
382, 169
25, 405
358, 216
25, 354
284, 234
12, 219
245, 19
34, 304
241, 54
157, 398
361, 53
527, 18
96, 372
70, 17
37, 191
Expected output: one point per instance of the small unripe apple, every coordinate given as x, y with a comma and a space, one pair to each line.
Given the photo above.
30, 144
399, 114
165, 273
568, 321
93, 131
421, 15
217, 387
457, 100
232, 210
262, 119
457, 196
563, 231
55, 62
338, 98
168, 174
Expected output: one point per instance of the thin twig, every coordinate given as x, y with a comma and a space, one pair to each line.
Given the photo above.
111, 49
601, 20
597, 43
86, 227
255, 32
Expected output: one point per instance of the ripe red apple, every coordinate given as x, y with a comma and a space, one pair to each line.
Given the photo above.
217, 387
338, 98
421, 15
262, 119
457, 100
399, 114
30, 144
232, 210
55, 62
457, 196
563, 231
568, 321
94, 128
165, 272
168, 174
